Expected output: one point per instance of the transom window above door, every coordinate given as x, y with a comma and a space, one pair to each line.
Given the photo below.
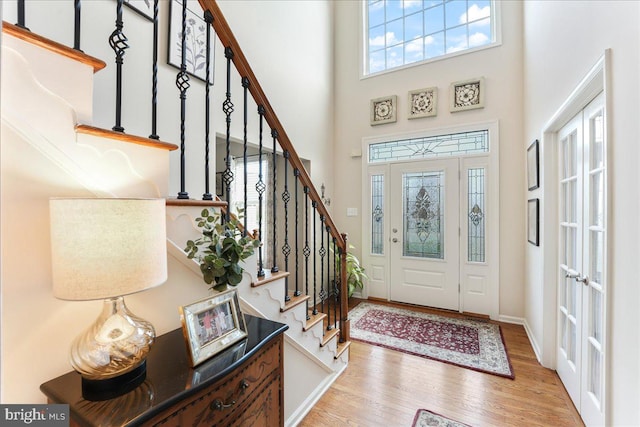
402, 32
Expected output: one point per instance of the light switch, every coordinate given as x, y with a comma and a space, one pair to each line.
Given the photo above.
352, 211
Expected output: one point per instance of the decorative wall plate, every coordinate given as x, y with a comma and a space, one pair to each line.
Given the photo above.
423, 102
466, 95
383, 110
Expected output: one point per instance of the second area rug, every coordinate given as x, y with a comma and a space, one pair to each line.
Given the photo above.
467, 343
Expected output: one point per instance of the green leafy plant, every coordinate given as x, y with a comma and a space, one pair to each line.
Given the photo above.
355, 272
220, 249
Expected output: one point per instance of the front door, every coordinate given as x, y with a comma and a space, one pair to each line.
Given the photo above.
582, 251
424, 211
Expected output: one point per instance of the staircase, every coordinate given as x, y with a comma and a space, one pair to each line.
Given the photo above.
48, 105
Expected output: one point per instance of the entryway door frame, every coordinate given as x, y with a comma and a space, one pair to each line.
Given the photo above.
596, 81
479, 281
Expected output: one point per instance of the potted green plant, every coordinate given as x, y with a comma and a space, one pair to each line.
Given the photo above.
355, 272
220, 249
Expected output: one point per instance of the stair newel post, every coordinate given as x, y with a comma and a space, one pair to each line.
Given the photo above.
314, 204
118, 42
329, 264
208, 17
154, 75
21, 19
306, 250
227, 108
76, 25
323, 252
296, 174
245, 142
336, 288
260, 189
286, 248
344, 293
182, 82
274, 135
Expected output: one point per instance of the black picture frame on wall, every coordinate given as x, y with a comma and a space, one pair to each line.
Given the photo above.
533, 221
533, 165
195, 42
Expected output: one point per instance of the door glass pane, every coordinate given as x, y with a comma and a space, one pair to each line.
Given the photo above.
597, 141
563, 331
595, 360
572, 163
571, 354
568, 248
572, 289
377, 214
476, 215
423, 214
596, 314
597, 199
596, 244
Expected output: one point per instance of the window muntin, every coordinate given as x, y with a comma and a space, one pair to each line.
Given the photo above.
402, 32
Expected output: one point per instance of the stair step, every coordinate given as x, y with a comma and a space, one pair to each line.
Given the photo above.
172, 201
342, 346
121, 136
328, 335
269, 277
313, 320
294, 301
55, 47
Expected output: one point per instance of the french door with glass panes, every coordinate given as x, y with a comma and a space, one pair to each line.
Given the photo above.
582, 264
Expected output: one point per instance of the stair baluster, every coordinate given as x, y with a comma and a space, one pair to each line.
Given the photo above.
182, 82
286, 248
154, 75
207, 117
260, 189
306, 250
314, 204
76, 25
296, 174
274, 135
118, 42
227, 108
323, 252
335, 284
245, 142
21, 19
329, 263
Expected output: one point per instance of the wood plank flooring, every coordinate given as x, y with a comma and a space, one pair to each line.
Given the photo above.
384, 387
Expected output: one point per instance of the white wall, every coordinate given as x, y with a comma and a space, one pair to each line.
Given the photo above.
562, 41
37, 329
502, 69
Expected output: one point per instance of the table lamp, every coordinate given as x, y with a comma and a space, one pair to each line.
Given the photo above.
105, 249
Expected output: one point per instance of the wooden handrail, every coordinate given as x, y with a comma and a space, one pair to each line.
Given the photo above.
227, 39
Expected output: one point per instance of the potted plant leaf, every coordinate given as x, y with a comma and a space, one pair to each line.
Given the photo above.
355, 272
220, 249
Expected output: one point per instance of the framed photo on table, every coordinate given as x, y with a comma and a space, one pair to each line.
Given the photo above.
212, 324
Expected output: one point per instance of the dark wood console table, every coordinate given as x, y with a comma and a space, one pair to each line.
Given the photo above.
241, 386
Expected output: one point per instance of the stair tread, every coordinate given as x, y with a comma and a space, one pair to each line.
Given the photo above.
313, 320
52, 46
269, 277
172, 201
294, 301
121, 136
328, 336
342, 347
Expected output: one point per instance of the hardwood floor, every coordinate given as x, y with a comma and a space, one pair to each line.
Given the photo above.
384, 387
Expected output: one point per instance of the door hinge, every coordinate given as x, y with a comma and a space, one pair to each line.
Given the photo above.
459, 231
458, 287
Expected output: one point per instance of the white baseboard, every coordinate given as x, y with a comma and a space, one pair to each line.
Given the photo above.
511, 319
532, 340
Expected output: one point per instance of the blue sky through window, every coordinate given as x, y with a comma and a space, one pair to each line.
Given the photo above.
401, 32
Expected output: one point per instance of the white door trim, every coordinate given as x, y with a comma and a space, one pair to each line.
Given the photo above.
596, 81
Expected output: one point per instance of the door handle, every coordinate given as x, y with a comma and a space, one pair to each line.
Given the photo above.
572, 274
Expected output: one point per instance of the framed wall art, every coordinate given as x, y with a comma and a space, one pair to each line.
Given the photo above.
211, 325
466, 95
423, 102
383, 110
143, 8
195, 42
533, 221
533, 166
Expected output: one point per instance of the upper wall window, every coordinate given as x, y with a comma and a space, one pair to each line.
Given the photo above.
402, 32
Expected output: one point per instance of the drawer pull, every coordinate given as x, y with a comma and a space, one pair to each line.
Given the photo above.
220, 405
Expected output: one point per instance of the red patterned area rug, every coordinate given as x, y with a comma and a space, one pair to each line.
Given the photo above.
426, 418
467, 343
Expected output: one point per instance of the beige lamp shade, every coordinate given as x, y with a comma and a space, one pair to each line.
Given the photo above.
104, 248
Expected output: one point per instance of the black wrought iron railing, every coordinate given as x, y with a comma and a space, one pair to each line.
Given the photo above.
298, 228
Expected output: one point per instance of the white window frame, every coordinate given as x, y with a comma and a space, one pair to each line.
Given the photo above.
364, 51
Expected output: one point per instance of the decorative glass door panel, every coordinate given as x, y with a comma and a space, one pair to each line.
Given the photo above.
423, 214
